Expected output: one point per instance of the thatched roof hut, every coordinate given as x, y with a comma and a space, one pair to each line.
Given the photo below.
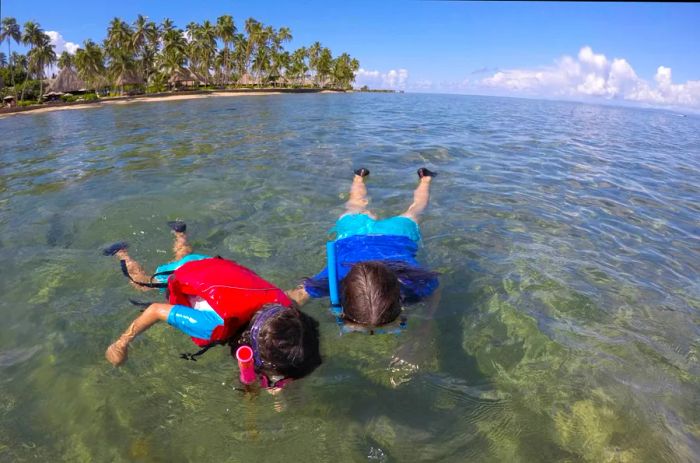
67, 81
184, 77
129, 78
280, 81
246, 79
9, 100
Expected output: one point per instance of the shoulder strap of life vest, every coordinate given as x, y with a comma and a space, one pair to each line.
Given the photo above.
125, 271
202, 351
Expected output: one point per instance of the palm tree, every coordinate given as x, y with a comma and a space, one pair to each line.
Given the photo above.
354, 67
254, 30
226, 31
262, 57
144, 42
222, 64
138, 38
66, 60
119, 48
279, 59
90, 64
31, 36
284, 34
41, 55
343, 71
314, 55
119, 36
173, 56
192, 52
147, 51
297, 65
323, 66
240, 44
11, 31
19, 62
279, 65
167, 25
206, 48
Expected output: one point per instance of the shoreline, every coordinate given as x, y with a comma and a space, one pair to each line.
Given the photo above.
157, 97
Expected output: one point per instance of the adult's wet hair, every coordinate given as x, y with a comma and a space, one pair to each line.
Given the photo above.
371, 294
288, 342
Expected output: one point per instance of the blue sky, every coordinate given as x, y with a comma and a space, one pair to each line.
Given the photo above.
464, 47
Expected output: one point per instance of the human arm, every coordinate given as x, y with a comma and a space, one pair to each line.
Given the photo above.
116, 353
196, 323
412, 355
298, 295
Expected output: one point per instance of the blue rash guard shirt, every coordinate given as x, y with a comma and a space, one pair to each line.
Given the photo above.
360, 248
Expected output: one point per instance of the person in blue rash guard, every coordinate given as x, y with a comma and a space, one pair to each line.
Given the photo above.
376, 259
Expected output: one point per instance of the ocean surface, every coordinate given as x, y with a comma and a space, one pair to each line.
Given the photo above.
567, 236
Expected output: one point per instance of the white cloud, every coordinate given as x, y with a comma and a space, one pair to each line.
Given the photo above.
394, 79
593, 75
60, 44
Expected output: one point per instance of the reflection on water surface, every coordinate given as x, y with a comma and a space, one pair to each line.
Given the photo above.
566, 234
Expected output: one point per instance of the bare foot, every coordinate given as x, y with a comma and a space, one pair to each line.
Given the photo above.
423, 172
362, 172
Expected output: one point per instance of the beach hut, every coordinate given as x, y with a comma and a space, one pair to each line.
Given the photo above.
246, 79
53, 96
129, 79
184, 78
280, 81
9, 101
67, 81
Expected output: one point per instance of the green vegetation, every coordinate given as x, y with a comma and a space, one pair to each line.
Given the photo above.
147, 57
366, 89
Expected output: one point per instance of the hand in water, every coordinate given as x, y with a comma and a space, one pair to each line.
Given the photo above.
414, 354
117, 353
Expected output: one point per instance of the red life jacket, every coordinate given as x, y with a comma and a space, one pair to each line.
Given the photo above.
233, 291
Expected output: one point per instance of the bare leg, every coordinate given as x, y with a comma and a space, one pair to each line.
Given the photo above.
357, 203
180, 245
135, 270
421, 196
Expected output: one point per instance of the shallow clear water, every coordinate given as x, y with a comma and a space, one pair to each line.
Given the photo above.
567, 236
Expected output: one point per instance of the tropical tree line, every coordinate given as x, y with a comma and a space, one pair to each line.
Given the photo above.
19, 68
154, 57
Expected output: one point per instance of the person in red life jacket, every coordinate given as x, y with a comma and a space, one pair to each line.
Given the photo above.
217, 301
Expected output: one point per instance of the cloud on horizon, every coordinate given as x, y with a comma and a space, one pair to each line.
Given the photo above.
593, 75
395, 79
60, 44
589, 76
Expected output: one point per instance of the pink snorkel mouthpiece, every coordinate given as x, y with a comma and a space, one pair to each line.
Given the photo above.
246, 364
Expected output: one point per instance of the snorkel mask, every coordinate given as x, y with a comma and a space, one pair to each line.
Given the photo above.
248, 357
337, 309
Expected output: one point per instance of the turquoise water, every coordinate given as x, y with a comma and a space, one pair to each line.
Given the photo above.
567, 236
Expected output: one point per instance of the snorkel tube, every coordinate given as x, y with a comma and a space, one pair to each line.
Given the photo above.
246, 365
336, 309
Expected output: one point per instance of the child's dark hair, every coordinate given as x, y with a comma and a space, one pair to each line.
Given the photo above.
371, 294
368, 276
288, 342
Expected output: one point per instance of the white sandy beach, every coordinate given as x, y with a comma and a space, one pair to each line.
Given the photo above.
147, 99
